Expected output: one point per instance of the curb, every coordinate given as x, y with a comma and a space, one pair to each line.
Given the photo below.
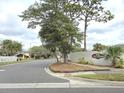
104, 82
103, 69
83, 82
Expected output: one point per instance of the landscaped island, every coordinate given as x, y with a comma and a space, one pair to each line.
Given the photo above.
110, 77
72, 67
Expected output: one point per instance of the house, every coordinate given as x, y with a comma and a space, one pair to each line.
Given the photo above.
22, 56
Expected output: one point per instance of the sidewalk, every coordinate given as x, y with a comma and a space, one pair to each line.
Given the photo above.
82, 82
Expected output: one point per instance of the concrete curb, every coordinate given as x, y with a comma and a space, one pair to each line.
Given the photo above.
82, 82
104, 82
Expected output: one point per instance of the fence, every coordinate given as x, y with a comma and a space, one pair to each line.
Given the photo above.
8, 58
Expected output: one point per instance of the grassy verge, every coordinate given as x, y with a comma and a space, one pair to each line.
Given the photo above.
14, 62
110, 77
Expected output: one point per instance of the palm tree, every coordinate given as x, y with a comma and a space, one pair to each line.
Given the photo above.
113, 53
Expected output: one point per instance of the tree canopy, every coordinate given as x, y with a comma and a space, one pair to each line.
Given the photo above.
10, 47
58, 20
39, 52
58, 32
99, 47
92, 10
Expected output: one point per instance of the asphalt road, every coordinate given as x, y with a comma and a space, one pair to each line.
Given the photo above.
32, 72
74, 90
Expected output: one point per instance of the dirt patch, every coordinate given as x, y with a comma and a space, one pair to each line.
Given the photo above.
70, 67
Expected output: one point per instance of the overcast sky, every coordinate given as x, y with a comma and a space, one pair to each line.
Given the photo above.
11, 26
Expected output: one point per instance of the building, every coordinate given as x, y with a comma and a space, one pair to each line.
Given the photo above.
22, 56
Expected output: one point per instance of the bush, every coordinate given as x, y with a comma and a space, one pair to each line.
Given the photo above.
119, 63
83, 61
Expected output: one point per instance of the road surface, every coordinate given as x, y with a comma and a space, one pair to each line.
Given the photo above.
32, 72
30, 77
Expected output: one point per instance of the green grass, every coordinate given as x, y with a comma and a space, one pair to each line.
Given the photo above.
110, 77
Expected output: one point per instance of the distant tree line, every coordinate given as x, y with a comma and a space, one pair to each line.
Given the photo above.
38, 52
99, 47
9, 47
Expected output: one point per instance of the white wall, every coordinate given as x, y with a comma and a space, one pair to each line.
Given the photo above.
75, 57
8, 58
122, 56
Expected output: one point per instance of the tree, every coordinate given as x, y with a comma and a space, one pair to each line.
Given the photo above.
39, 51
17, 46
77, 48
113, 53
99, 47
92, 10
10, 47
58, 32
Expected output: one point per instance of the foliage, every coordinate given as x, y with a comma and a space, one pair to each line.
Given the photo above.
99, 47
92, 10
39, 51
121, 45
57, 20
10, 47
40, 10
119, 63
58, 32
77, 48
83, 61
114, 54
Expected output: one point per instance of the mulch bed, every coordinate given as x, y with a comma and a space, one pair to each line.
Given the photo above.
70, 67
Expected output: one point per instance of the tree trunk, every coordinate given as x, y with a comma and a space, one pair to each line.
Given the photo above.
65, 58
113, 61
56, 58
85, 34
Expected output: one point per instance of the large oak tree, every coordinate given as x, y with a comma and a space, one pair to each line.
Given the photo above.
57, 31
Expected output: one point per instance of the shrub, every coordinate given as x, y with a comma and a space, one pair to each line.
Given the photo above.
113, 53
119, 63
83, 61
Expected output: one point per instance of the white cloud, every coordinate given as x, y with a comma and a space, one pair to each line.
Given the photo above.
11, 26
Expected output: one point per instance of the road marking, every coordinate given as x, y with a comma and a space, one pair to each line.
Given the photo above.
2, 70
33, 85
49, 85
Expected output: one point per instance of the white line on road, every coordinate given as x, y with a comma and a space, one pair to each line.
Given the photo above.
49, 85
2, 70
33, 85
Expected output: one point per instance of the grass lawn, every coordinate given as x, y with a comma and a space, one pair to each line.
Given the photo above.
110, 77
13, 62
69, 67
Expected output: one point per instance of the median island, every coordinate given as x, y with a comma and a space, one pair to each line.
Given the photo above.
73, 67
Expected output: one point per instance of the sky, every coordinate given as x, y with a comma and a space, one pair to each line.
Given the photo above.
11, 26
